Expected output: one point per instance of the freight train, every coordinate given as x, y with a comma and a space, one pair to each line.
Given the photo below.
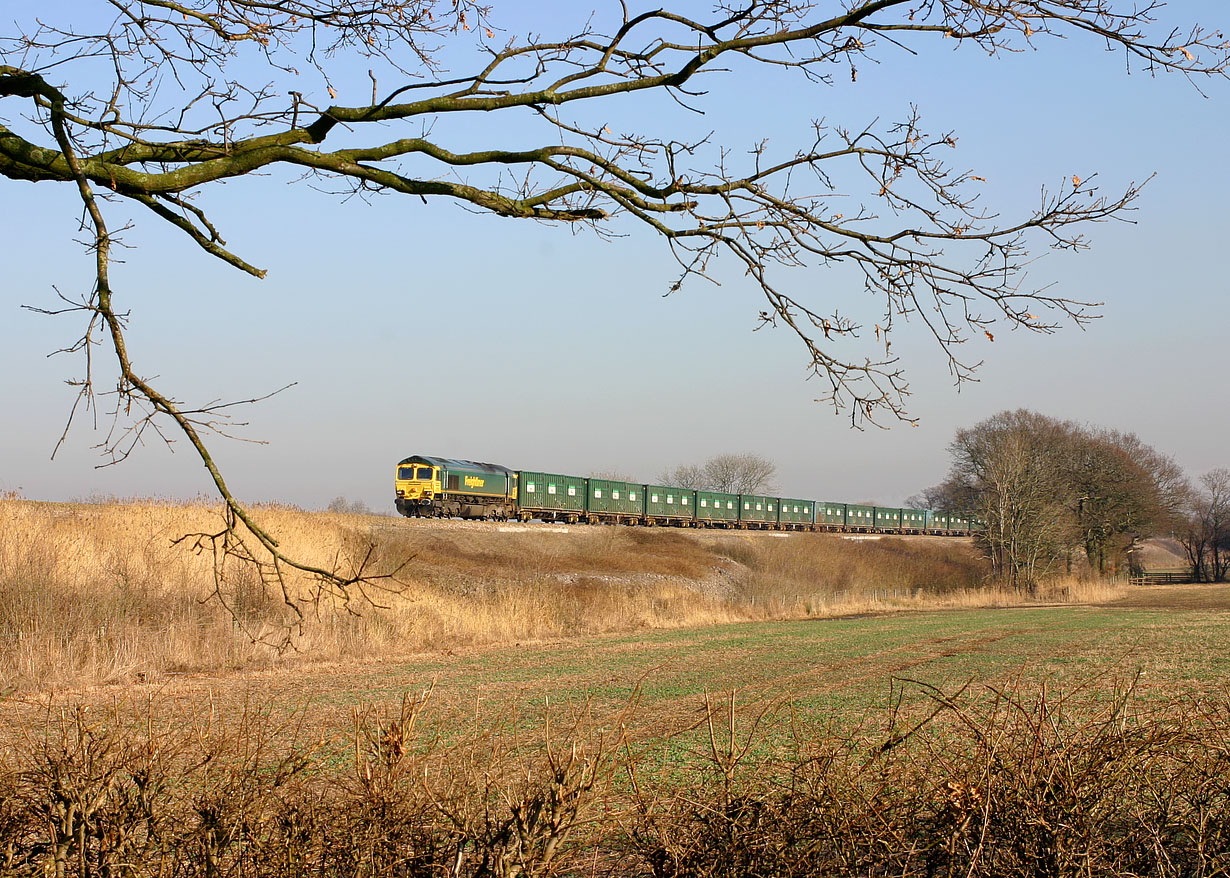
441, 487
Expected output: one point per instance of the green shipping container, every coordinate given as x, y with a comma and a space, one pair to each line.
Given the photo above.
550, 492
713, 506
670, 503
914, 519
937, 520
795, 511
887, 518
860, 517
757, 510
831, 514
616, 498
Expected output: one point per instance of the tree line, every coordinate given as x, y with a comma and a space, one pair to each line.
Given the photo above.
1055, 494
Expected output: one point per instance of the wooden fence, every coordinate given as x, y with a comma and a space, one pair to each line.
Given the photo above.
1161, 577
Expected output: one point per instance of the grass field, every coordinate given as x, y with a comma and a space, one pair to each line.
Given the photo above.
1067, 739
1171, 636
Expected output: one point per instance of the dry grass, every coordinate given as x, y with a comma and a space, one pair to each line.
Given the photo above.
102, 592
826, 574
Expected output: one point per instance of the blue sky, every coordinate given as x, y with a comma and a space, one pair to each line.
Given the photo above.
413, 328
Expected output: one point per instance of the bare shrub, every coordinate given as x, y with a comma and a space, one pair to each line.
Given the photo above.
992, 782
90, 798
1006, 784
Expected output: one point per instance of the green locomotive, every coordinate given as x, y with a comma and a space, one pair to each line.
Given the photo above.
442, 487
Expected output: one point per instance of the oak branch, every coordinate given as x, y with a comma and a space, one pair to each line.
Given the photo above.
152, 101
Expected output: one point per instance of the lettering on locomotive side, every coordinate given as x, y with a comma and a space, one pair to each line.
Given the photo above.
475, 482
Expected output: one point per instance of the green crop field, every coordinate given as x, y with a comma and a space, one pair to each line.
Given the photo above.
1170, 639
851, 660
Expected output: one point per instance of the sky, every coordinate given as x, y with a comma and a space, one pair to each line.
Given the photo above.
411, 328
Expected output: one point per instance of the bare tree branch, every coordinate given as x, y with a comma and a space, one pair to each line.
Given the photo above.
152, 101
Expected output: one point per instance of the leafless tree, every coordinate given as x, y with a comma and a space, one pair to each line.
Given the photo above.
686, 475
1120, 491
730, 473
142, 106
1215, 485
1044, 488
947, 496
1008, 468
1205, 531
612, 475
741, 473
1194, 538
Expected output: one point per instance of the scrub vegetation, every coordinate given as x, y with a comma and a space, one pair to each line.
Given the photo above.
112, 591
981, 780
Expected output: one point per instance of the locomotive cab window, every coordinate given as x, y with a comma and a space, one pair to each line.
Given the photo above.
405, 472
425, 473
